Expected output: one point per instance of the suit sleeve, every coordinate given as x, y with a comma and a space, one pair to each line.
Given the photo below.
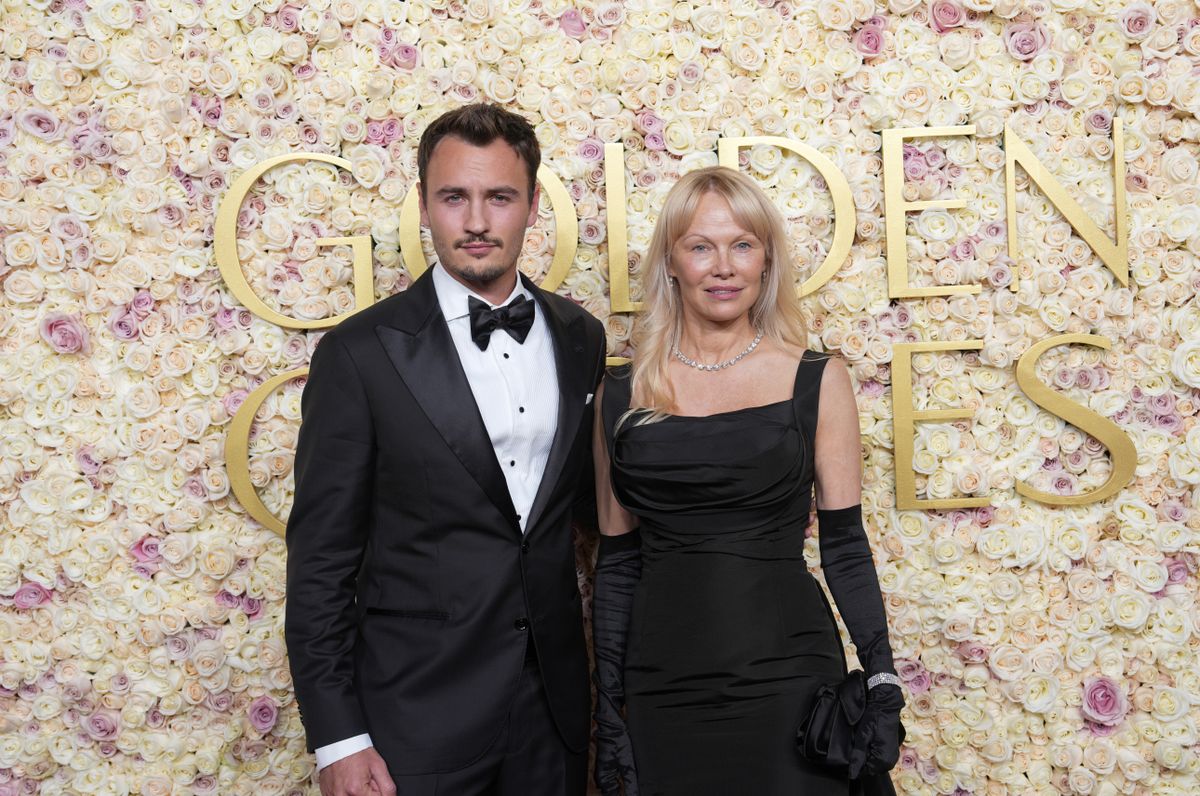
326, 537
583, 510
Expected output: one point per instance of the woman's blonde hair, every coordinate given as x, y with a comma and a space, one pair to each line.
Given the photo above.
776, 312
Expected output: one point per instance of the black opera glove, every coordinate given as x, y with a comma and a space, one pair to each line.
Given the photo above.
851, 577
618, 569
875, 747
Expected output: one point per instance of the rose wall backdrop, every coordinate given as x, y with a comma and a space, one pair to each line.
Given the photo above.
1045, 649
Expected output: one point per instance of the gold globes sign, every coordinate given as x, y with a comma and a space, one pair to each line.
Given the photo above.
994, 212
1113, 254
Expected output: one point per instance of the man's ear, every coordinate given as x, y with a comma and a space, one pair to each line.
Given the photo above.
421, 203
533, 205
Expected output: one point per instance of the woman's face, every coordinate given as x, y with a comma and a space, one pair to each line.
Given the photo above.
717, 263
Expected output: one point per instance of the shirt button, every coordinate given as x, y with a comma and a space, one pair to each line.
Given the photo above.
512, 463
521, 624
506, 356
521, 409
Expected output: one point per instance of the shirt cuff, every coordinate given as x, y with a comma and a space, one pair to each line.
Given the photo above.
331, 753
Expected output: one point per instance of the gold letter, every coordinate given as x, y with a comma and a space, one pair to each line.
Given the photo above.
237, 452
225, 248
618, 232
905, 420
1120, 446
1114, 255
843, 200
566, 229
895, 210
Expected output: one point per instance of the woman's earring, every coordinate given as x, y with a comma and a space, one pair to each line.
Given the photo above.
763, 276
671, 280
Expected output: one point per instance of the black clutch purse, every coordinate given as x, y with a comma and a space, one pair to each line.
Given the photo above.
825, 734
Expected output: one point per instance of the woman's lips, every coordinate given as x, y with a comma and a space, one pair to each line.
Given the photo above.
724, 292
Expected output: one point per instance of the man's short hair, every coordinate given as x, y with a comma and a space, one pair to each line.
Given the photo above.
479, 125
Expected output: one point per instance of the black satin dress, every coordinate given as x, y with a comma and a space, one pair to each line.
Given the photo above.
730, 634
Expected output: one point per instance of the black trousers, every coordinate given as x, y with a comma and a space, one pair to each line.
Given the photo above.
528, 757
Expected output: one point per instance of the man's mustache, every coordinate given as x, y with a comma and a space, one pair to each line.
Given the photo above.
458, 244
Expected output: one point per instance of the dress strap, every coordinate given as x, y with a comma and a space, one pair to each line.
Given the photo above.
618, 385
806, 398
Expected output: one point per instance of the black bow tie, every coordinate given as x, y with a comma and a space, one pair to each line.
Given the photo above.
516, 318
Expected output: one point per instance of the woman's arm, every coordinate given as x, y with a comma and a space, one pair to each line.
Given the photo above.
618, 570
850, 570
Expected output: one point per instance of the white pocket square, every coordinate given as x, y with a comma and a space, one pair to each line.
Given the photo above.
589, 398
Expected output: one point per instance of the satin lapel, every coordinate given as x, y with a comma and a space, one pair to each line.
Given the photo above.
423, 353
572, 392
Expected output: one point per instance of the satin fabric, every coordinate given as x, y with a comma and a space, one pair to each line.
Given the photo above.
730, 636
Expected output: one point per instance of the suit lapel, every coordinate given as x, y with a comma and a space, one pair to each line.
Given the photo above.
422, 351
572, 389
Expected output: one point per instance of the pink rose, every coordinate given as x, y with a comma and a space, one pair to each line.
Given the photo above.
252, 607
915, 165
227, 600
404, 56
85, 457
590, 149
1026, 40
233, 400
30, 595
123, 325
40, 124
1103, 702
263, 714
1098, 122
971, 652
650, 122
103, 725
1177, 570
145, 549
204, 783
178, 647
66, 334
1137, 20
572, 23
868, 40
945, 15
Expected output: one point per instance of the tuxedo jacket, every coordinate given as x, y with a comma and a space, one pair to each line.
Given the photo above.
411, 591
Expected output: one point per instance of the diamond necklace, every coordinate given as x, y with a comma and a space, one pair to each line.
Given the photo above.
691, 363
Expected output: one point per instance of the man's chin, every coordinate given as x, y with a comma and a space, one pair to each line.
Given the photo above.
480, 273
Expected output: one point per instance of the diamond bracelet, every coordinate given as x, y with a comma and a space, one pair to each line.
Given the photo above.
881, 678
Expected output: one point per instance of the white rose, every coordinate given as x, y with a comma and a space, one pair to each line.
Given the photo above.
1041, 693
1129, 610
1185, 363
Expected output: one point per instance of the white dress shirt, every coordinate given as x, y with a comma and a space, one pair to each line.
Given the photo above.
515, 386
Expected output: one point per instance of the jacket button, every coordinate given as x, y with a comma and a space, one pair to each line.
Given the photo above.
521, 624
524, 547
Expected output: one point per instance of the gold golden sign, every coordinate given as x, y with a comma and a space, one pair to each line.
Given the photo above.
1114, 254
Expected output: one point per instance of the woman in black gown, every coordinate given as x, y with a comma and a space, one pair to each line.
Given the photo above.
708, 625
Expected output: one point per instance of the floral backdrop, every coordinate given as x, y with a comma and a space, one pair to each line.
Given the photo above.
1044, 649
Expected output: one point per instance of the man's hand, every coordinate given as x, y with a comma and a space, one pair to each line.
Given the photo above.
360, 774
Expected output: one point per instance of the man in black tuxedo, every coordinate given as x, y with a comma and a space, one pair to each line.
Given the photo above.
433, 618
